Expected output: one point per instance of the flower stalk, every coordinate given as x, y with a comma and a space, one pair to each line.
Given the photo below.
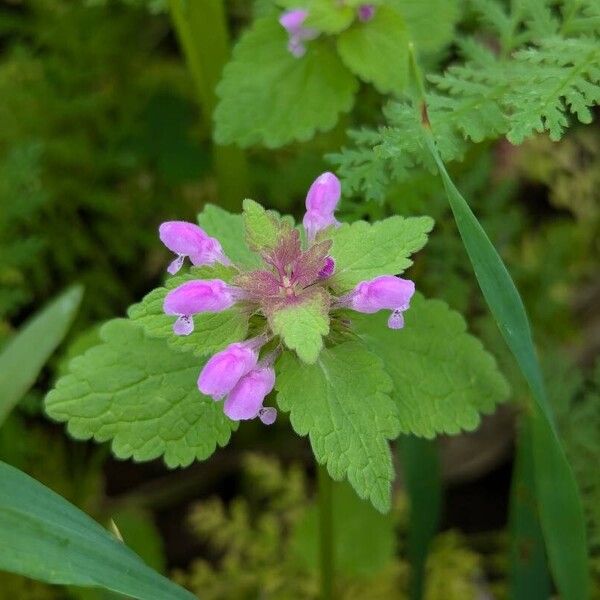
326, 531
202, 32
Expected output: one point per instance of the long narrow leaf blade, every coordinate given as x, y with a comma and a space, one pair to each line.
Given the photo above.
422, 478
529, 578
44, 537
25, 355
561, 511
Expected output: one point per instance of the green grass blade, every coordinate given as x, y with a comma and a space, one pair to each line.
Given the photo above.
529, 578
44, 537
560, 505
422, 478
24, 356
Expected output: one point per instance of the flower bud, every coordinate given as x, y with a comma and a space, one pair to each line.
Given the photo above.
222, 372
324, 194
246, 398
385, 292
196, 296
366, 12
321, 202
328, 269
189, 240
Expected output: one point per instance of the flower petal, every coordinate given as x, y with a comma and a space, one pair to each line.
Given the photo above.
198, 295
223, 371
384, 292
396, 320
182, 237
245, 400
324, 194
184, 325
176, 265
267, 415
292, 20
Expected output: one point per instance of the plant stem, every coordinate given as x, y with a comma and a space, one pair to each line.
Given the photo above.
528, 575
423, 482
326, 532
202, 31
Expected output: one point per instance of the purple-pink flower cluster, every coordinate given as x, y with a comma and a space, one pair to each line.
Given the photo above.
242, 374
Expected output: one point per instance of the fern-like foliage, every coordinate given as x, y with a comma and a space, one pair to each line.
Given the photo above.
266, 545
545, 72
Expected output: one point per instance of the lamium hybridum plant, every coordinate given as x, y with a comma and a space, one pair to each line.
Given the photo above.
299, 65
260, 314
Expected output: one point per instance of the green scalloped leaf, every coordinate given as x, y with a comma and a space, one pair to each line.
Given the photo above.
269, 97
303, 325
377, 51
430, 24
212, 331
143, 396
263, 228
329, 17
229, 230
324, 15
342, 403
443, 377
363, 250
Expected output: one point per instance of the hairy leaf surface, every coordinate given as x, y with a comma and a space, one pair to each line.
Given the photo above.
286, 99
443, 377
212, 331
228, 228
264, 228
363, 250
142, 395
342, 403
302, 325
377, 51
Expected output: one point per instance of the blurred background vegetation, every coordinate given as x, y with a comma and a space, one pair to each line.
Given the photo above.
101, 139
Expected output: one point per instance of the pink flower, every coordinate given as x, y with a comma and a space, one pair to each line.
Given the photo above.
223, 371
196, 296
321, 202
382, 293
366, 12
293, 22
189, 240
246, 398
